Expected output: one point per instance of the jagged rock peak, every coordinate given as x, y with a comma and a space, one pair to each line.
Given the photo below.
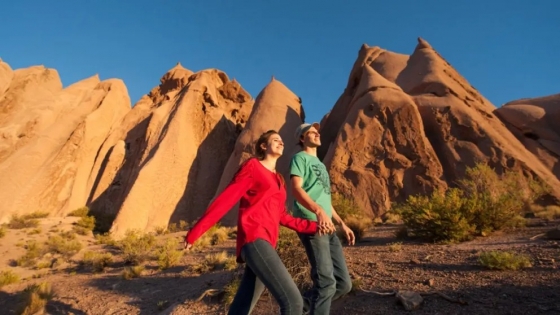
422, 44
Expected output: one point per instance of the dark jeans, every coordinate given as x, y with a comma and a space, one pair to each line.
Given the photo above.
329, 272
265, 269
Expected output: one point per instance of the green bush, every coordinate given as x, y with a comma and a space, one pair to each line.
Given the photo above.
482, 203
352, 215
504, 260
136, 246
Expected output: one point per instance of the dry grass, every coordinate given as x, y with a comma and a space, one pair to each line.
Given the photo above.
218, 261
395, 247
35, 298
97, 261
132, 272
33, 252
105, 239
499, 260
230, 290
85, 225
293, 256
35, 231
214, 236
168, 254
358, 225
80, 212
548, 213
136, 246
22, 222
8, 277
2, 231
63, 246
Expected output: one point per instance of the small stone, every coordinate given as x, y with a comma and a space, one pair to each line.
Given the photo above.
430, 282
409, 299
414, 261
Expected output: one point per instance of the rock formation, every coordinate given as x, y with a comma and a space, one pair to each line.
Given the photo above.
50, 137
457, 121
277, 108
535, 122
165, 160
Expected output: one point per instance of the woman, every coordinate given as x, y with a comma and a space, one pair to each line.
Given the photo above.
262, 209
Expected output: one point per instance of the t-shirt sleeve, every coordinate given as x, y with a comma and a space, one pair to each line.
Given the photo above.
297, 166
241, 182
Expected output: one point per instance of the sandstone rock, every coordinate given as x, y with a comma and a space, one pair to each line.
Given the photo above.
49, 173
27, 107
535, 123
6, 75
460, 123
277, 108
381, 102
381, 153
175, 148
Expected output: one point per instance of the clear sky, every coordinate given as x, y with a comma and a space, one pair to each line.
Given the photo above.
507, 49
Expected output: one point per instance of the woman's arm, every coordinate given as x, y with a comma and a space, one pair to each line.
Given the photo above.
298, 224
241, 182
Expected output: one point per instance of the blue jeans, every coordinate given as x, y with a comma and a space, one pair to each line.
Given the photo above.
265, 269
331, 279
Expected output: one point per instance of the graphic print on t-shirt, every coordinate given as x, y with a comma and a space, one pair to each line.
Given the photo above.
321, 172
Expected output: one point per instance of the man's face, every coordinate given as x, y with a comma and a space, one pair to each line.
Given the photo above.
312, 138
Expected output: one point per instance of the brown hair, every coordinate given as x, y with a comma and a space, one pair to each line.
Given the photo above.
263, 139
260, 152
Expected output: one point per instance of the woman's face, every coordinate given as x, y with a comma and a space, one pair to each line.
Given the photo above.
275, 145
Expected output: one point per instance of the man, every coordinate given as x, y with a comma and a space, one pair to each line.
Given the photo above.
312, 191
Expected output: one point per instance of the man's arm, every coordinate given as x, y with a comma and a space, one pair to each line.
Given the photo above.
303, 198
347, 231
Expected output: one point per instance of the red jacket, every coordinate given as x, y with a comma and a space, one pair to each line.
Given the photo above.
261, 210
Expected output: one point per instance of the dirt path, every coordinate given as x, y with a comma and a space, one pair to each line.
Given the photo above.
450, 269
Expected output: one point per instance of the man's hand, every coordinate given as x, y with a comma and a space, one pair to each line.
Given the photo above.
350, 238
325, 223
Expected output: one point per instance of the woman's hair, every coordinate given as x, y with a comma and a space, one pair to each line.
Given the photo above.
263, 139
261, 153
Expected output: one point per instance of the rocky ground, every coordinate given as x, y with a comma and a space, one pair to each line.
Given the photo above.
382, 262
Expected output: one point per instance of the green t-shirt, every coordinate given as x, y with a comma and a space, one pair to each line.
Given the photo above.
316, 183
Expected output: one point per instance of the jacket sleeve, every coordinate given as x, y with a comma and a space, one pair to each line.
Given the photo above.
297, 224
241, 182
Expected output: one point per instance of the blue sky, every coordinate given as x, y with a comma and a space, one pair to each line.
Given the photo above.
507, 49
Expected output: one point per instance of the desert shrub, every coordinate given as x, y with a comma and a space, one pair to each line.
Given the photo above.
35, 231
352, 215
2, 231
8, 277
35, 298
358, 225
85, 225
214, 236
33, 252
168, 255
218, 261
292, 253
62, 246
230, 290
104, 239
136, 246
548, 213
97, 261
133, 272
504, 260
22, 222
36, 215
346, 207
80, 212
482, 203
395, 247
